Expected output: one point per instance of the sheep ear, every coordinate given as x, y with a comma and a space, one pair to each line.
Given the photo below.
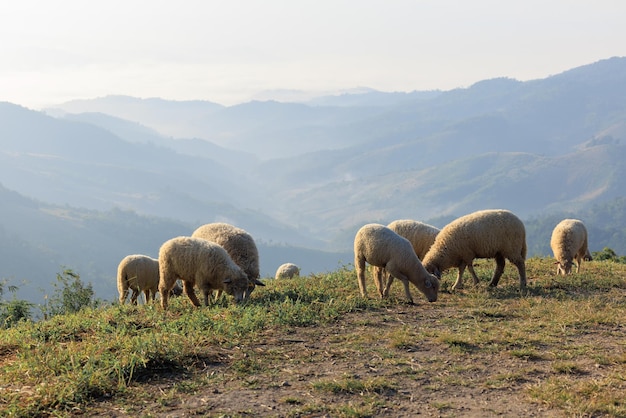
258, 282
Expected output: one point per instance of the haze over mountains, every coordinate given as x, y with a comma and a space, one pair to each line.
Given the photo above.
307, 175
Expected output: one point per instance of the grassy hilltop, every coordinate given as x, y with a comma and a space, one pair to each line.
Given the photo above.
312, 346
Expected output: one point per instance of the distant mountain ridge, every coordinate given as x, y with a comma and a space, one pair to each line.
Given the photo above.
274, 129
567, 113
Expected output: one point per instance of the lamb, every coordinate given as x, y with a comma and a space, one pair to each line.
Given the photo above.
493, 233
239, 245
381, 247
287, 271
569, 243
138, 273
420, 235
201, 263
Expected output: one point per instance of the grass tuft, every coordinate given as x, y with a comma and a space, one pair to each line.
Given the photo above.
354, 384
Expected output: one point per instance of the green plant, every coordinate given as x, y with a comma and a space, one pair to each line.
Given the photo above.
607, 254
15, 310
11, 288
70, 295
352, 384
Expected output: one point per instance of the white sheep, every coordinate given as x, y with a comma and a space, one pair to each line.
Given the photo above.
381, 247
239, 245
201, 263
569, 243
491, 233
287, 271
420, 235
138, 273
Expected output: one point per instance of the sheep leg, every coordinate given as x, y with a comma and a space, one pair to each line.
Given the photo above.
165, 292
407, 292
191, 294
149, 294
388, 283
458, 284
405, 280
521, 268
360, 272
379, 273
123, 296
134, 296
499, 270
205, 294
579, 259
470, 267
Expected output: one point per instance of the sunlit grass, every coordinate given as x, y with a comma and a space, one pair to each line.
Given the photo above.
68, 362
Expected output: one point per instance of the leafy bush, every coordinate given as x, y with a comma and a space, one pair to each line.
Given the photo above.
607, 254
70, 295
15, 310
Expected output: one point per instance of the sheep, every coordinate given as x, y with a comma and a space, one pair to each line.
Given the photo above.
420, 235
569, 243
138, 273
492, 233
239, 245
287, 271
381, 247
201, 263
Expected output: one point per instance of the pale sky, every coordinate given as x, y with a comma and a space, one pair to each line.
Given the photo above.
228, 51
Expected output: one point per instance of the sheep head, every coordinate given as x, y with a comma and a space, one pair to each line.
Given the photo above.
237, 287
431, 287
564, 268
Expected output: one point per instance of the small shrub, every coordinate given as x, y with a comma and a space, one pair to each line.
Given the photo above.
70, 295
15, 310
607, 254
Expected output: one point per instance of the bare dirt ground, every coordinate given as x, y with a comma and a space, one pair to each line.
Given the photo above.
424, 378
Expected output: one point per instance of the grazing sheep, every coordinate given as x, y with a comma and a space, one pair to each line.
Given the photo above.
495, 234
569, 243
287, 271
138, 273
201, 263
381, 247
239, 245
420, 235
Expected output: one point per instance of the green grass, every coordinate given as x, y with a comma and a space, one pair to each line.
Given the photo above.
352, 384
563, 329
